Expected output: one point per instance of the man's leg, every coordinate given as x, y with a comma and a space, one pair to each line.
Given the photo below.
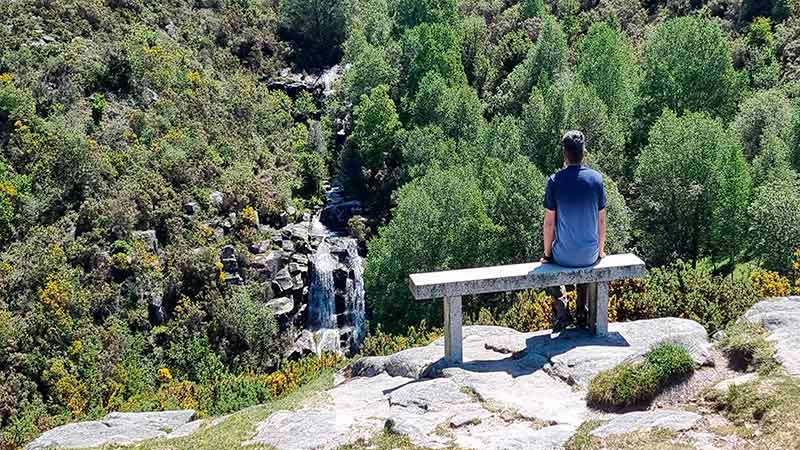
561, 317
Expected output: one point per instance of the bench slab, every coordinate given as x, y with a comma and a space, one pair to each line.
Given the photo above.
515, 277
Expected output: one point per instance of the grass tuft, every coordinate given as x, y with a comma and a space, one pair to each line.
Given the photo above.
747, 347
631, 384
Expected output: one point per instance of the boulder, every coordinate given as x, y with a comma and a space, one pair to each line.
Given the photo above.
281, 305
647, 420
267, 265
217, 199
260, 247
336, 216
723, 386
282, 282
116, 429
781, 318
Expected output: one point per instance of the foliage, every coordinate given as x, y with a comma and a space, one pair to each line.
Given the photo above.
569, 104
680, 290
380, 343
688, 67
764, 115
769, 284
606, 60
635, 383
318, 26
692, 155
376, 125
430, 47
775, 233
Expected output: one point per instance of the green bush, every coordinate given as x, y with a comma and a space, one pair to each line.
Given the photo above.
380, 343
632, 384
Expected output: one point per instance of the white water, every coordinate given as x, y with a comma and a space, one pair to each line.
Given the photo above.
322, 312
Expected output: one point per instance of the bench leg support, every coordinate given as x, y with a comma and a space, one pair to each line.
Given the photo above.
452, 331
601, 309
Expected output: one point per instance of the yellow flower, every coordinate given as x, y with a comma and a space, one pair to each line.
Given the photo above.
194, 77
6, 267
76, 348
8, 189
164, 375
6, 77
769, 284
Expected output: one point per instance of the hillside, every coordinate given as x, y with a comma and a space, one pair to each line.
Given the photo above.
206, 204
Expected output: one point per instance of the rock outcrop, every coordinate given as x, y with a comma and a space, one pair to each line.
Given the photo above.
118, 429
781, 318
514, 391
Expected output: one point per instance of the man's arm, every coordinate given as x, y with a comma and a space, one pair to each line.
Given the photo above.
601, 231
549, 232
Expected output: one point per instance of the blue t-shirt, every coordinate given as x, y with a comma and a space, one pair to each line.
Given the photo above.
576, 194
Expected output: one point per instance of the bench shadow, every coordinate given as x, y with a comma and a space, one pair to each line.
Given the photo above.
539, 351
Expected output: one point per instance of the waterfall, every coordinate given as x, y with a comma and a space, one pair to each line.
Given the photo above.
336, 295
322, 291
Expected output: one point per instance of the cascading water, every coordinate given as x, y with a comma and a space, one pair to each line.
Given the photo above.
336, 314
322, 291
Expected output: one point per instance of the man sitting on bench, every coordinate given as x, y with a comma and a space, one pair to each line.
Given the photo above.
574, 223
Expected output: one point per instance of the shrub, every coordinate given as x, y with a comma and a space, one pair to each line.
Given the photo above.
635, 383
769, 284
380, 343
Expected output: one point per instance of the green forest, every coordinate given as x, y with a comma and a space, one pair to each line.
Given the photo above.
139, 139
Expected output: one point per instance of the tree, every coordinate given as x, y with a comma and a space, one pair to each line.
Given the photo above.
758, 57
319, 26
618, 219
532, 8
372, 19
765, 114
775, 231
440, 222
685, 193
456, 109
431, 47
411, 13
376, 124
369, 67
773, 161
688, 67
544, 61
606, 60
427, 147
569, 104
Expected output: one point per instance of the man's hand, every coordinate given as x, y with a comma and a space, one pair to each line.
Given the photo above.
602, 255
546, 259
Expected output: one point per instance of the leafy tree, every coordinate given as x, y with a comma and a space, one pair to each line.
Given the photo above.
369, 67
501, 138
569, 104
688, 67
759, 60
426, 147
543, 63
431, 47
532, 8
372, 18
775, 231
457, 110
440, 222
473, 35
691, 179
773, 161
410, 13
606, 60
375, 128
765, 114
618, 219
319, 26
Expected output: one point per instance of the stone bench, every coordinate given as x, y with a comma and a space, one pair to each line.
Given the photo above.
451, 285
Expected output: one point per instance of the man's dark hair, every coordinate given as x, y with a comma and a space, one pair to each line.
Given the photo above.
574, 144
